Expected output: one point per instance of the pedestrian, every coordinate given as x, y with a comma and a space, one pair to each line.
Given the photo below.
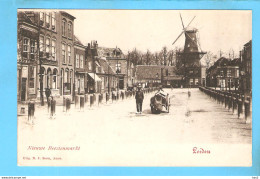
47, 94
53, 105
139, 97
31, 109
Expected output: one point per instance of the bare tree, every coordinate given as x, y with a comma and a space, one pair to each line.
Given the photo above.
148, 57
164, 53
156, 56
210, 59
231, 54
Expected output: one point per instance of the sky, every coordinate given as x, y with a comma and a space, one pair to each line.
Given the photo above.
152, 29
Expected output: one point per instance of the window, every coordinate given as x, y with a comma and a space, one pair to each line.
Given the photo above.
63, 27
41, 18
89, 65
77, 60
196, 81
53, 21
47, 47
118, 68
25, 47
81, 84
191, 81
63, 53
31, 77
228, 73
221, 73
191, 71
81, 61
69, 54
33, 46
53, 49
237, 73
69, 30
47, 19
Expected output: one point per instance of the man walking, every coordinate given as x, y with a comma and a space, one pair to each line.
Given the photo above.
139, 97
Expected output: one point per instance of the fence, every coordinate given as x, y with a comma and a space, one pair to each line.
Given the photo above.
82, 101
231, 100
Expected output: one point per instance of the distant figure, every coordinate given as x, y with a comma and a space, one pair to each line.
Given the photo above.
49, 103
31, 109
47, 94
189, 93
53, 105
139, 97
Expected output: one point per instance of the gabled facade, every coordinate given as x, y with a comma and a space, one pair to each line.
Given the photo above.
224, 74
27, 57
93, 81
47, 37
107, 75
119, 64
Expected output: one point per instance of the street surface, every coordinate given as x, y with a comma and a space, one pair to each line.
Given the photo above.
113, 134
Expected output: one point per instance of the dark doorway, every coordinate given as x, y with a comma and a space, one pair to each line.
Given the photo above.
23, 89
121, 83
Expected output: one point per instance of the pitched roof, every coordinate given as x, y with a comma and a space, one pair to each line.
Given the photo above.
105, 66
77, 41
110, 52
152, 72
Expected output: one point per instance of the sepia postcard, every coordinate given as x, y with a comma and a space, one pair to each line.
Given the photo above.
134, 87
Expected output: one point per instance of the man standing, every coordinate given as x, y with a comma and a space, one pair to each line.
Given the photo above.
48, 94
139, 97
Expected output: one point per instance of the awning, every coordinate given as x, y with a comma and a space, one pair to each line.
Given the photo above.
94, 76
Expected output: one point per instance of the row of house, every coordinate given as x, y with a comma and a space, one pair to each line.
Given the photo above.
49, 55
170, 76
233, 74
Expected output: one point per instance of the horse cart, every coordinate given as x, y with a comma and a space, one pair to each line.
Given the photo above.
159, 102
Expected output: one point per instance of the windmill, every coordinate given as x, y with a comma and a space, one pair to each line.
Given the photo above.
190, 57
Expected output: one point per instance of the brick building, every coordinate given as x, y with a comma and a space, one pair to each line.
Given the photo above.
246, 69
107, 75
80, 67
93, 80
47, 37
48, 51
153, 75
224, 74
119, 64
27, 57
65, 24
